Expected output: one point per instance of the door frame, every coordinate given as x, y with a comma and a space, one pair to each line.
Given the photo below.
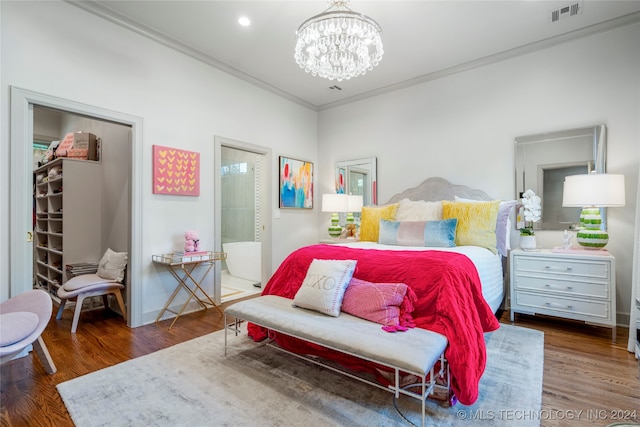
21, 172
219, 142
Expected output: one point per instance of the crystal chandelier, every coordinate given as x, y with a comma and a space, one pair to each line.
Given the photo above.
338, 44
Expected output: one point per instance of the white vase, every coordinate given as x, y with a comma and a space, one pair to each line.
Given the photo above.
528, 242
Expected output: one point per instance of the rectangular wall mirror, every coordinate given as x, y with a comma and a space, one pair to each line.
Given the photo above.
358, 177
542, 162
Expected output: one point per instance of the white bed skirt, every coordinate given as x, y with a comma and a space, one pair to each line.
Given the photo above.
488, 264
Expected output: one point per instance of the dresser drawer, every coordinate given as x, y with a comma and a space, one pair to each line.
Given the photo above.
565, 307
554, 284
587, 268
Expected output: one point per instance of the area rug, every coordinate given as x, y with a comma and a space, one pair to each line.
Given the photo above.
193, 384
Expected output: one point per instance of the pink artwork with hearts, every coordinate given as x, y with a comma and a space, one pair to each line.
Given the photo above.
176, 171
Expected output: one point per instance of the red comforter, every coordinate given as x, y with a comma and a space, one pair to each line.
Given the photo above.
449, 301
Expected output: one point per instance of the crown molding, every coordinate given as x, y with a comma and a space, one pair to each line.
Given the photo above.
113, 16
629, 19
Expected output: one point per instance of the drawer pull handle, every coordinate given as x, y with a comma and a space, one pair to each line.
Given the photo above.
567, 288
549, 267
552, 304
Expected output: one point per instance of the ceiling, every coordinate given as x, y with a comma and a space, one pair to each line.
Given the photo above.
423, 40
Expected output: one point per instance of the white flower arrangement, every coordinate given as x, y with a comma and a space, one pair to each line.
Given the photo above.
532, 212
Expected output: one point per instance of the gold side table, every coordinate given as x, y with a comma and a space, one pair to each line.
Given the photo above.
182, 266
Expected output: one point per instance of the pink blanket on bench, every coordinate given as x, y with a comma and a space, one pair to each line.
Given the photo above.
448, 301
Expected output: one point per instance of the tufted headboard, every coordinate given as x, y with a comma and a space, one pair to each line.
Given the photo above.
435, 189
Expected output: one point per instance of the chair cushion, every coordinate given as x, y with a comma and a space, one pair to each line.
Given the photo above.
16, 326
83, 281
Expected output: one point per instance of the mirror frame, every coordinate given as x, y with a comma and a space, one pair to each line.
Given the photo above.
598, 136
369, 164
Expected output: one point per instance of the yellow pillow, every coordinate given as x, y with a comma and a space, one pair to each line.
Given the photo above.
476, 222
370, 220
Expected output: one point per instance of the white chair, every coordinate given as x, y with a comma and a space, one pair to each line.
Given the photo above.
86, 286
22, 320
107, 280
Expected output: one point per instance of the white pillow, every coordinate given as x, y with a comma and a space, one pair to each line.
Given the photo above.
323, 287
410, 210
112, 265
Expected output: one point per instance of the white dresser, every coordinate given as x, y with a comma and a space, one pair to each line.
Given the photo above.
574, 285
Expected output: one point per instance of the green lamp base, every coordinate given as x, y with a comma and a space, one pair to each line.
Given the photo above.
592, 239
335, 230
590, 236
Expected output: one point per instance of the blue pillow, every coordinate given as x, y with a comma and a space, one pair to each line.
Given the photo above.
419, 233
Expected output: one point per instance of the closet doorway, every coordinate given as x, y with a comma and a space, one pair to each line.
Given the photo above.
26, 108
242, 207
94, 218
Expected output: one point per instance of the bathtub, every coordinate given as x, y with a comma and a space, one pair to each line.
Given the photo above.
244, 260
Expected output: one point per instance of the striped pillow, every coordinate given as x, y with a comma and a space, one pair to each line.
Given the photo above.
376, 302
419, 233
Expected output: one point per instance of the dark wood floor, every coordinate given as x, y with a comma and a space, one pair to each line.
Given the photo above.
588, 380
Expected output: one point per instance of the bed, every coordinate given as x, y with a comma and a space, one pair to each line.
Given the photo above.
453, 288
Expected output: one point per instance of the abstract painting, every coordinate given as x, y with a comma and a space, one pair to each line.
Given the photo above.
341, 180
296, 183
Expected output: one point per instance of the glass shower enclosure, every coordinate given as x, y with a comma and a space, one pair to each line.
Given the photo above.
241, 213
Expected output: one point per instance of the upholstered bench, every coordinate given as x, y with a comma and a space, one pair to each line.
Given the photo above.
415, 351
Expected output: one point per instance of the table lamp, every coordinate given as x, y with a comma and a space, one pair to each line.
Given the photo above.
354, 204
592, 192
335, 203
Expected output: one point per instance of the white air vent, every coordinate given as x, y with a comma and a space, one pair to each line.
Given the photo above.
566, 11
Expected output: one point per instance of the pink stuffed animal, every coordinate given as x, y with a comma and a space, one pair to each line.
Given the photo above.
191, 241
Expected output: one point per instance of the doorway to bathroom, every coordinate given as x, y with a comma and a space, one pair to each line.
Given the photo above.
242, 206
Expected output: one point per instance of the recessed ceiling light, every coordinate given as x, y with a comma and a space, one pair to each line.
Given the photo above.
244, 21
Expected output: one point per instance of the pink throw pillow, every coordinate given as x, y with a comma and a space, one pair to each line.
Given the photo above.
376, 302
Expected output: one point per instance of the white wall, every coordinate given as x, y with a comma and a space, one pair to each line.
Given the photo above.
46, 124
57, 49
116, 207
462, 127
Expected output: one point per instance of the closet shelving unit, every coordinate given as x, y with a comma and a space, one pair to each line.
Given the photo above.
68, 210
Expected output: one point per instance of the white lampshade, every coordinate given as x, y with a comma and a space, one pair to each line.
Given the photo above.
355, 203
596, 189
335, 203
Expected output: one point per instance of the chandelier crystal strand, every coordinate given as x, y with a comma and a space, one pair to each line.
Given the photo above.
339, 44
